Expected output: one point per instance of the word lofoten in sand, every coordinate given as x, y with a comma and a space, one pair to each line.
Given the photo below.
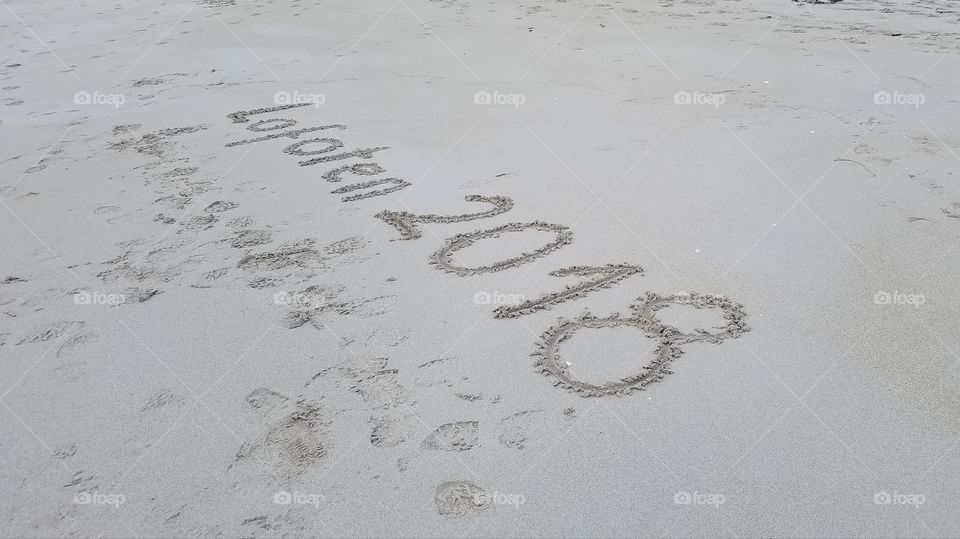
669, 339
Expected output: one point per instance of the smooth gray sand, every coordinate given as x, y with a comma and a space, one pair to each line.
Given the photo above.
462, 268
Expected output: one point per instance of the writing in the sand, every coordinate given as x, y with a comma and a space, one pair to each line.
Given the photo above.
330, 152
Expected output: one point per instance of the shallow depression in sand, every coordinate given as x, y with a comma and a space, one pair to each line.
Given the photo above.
602, 355
510, 244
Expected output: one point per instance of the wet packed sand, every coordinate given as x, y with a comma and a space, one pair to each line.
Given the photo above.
460, 268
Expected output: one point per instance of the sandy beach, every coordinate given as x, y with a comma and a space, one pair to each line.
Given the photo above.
453, 268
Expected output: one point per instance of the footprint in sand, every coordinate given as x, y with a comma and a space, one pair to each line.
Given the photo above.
458, 499
459, 436
293, 438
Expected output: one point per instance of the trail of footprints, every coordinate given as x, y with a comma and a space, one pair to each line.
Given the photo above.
214, 247
329, 150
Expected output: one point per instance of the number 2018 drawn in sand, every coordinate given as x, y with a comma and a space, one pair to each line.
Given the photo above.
643, 314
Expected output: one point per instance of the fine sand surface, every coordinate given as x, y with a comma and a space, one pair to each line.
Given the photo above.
469, 268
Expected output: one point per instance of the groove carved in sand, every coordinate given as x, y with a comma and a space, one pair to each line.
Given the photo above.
668, 349
296, 147
363, 153
733, 313
398, 184
551, 364
608, 276
359, 169
443, 258
291, 134
271, 124
242, 116
404, 221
